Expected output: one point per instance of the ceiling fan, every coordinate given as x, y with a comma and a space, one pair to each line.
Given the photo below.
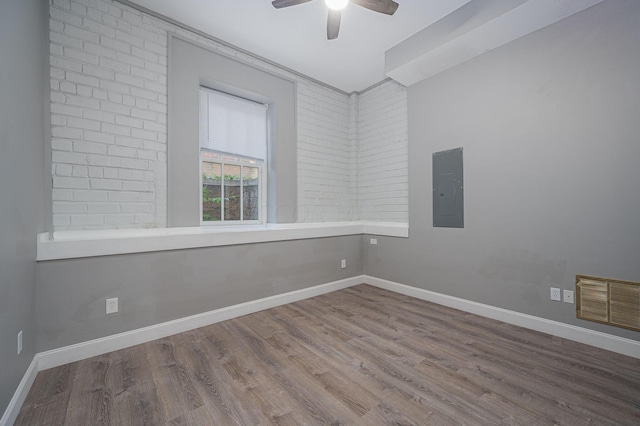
388, 7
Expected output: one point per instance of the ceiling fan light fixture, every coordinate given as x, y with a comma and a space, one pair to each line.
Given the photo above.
388, 7
336, 4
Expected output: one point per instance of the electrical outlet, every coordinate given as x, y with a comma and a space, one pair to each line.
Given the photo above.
112, 305
19, 342
567, 296
373, 241
555, 294
343, 264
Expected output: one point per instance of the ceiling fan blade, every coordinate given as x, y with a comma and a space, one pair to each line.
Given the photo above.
388, 7
333, 24
279, 4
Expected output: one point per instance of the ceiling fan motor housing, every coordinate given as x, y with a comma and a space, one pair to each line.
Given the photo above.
387, 7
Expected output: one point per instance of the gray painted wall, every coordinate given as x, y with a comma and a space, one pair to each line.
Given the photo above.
21, 184
157, 287
550, 130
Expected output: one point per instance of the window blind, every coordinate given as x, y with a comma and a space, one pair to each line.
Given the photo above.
232, 125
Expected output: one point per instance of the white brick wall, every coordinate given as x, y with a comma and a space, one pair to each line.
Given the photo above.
109, 114
382, 159
324, 155
354, 101
353, 154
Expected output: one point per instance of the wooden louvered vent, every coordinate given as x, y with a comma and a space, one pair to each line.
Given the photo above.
608, 301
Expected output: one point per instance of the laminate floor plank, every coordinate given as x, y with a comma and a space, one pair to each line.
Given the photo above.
305, 388
264, 358
90, 400
135, 400
350, 395
435, 394
213, 354
317, 363
553, 376
358, 356
244, 369
50, 397
174, 385
209, 385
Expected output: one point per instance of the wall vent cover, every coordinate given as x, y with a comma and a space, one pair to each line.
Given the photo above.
612, 302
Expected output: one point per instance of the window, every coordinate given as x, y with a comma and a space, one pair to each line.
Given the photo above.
233, 151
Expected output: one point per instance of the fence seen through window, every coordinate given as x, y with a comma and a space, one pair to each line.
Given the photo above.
230, 188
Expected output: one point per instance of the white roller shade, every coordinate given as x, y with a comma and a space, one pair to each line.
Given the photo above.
232, 125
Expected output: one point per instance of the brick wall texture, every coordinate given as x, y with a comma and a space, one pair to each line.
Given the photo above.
109, 127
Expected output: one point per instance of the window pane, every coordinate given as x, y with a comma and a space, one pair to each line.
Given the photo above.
211, 190
251, 193
231, 192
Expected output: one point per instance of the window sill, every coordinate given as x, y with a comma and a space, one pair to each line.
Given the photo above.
78, 244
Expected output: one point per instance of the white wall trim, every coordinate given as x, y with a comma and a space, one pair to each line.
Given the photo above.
11, 413
387, 229
598, 339
77, 244
77, 352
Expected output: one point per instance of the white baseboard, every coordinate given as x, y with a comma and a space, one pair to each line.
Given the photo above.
114, 342
11, 413
571, 332
67, 354
77, 352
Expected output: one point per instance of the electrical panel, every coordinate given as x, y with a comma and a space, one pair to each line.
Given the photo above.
448, 189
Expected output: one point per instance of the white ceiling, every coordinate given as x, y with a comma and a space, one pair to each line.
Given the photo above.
296, 38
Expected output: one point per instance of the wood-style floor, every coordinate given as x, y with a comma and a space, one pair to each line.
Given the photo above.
360, 356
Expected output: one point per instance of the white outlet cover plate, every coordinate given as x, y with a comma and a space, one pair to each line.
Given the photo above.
567, 296
373, 241
343, 264
112, 305
555, 294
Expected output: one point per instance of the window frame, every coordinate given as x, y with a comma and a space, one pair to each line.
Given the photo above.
262, 189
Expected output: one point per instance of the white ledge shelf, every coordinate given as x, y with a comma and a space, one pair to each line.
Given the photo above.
78, 244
